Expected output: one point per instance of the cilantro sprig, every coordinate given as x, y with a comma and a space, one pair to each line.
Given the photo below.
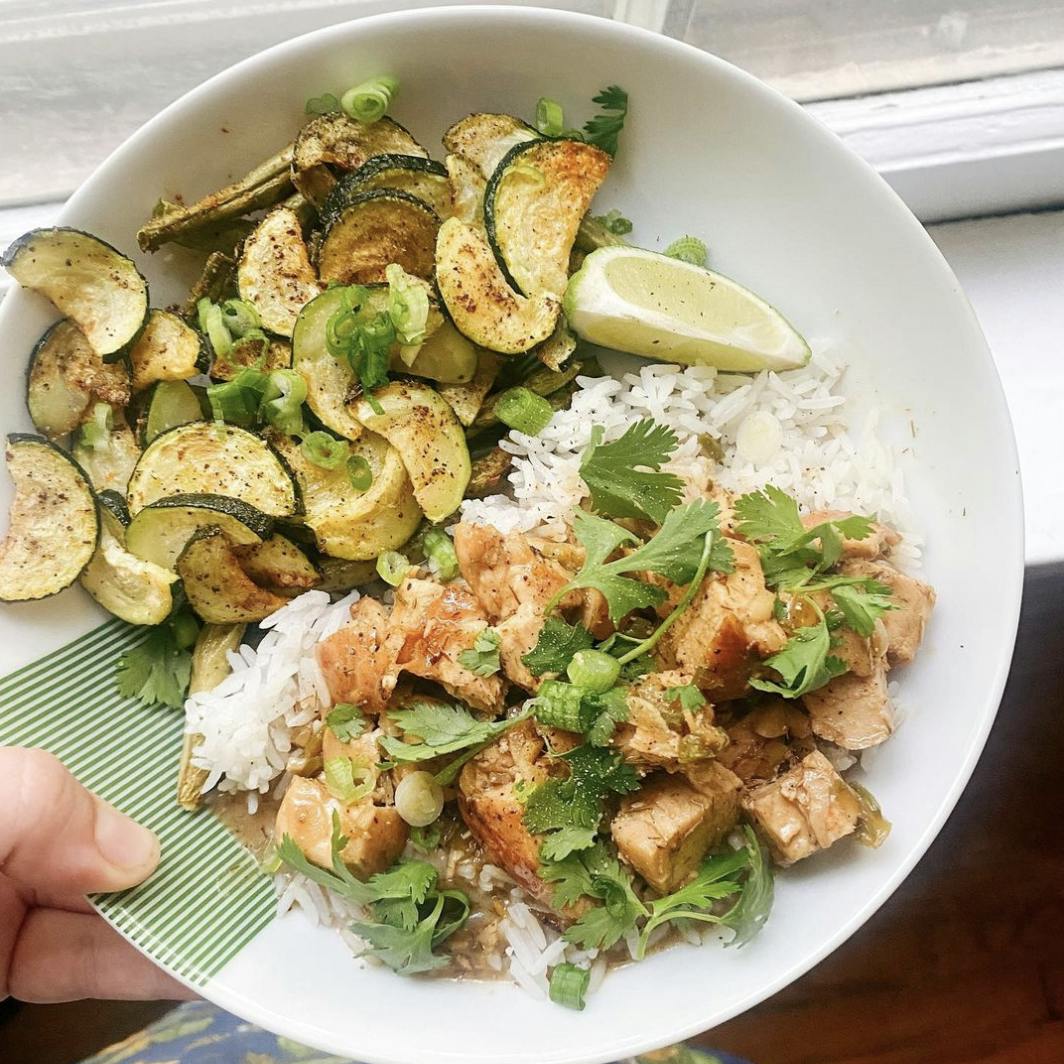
410, 918
482, 658
157, 672
557, 644
805, 663
604, 130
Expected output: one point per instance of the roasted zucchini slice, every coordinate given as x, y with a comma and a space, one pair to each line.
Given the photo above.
427, 435
167, 350
372, 230
558, 348
158, 533
217, 279
53, 526
466, 399
543, 381
214, 458
489, 472
533, 206
278, 565
217, 587
356, 525
169, 404
256, 352
340, 575
275, 275
445, 356
66, 376
109, 465
483, 139
135, 590
114, 513
422, 178
481, 303
335, 143
467, 191
95, 285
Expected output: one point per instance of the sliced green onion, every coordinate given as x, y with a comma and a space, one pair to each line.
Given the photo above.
439, 549
419, 799
550, 118
408, 305
323, 450
359, 473
615, 223
212, 324
185, 629
562, 705
688, 249
593, 670
369, 101
568, 985
282, 401
237, 401
96, 432
325, 104
240, 318
524, 411
392, 567
346, 781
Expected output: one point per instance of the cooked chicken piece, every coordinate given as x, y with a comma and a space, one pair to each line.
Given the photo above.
376, 835
772, 733
805, 810
877, 542
861, 655
430, 627
665, 829
726, 629
513, 578
660, 732
489, 805
356, 660
852, 711
912, 601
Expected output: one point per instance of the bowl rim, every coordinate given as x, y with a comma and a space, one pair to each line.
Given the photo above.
1011, 573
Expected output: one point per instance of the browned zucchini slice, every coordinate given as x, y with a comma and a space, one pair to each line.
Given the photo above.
483, 139
372, 230
167, 350
66, 376
53, 526
422, 178
278, 565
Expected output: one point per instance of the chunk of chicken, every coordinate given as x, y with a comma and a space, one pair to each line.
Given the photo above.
665, 829
357, 660
489, 805
430, 627
772, 733
726, 629
660, 732
376, 835
877, 542
852, 711
805, 810
514, 577
913, 602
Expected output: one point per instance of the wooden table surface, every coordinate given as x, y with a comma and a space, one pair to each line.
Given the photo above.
964, 965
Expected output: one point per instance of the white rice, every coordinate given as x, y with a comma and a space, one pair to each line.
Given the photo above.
790, 429
247, 720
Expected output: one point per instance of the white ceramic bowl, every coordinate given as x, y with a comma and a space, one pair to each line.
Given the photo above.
789, 211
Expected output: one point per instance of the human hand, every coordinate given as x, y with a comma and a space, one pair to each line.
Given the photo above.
58, 842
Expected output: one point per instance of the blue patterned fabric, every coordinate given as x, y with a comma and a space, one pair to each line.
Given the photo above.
200, 1033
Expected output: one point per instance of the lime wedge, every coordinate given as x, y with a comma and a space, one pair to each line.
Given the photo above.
648, 304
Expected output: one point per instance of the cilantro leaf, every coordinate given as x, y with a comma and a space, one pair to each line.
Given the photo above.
862, 606
346, 721
482, 659
441, 728
157, 671
689, 696
675, 553
768, 516
557, 644
425, 840
620, 489
405, 949
560, 844
805, 663
749, 914
604, 130
594, 772
612, 708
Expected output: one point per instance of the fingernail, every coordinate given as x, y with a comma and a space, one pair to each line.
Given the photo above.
123, 842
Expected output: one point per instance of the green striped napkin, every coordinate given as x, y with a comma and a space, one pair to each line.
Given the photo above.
208, 897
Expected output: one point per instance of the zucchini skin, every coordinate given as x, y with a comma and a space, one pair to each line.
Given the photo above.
351, 186
115, 504
489, 208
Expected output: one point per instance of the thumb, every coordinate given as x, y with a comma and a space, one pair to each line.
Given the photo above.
58, 838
